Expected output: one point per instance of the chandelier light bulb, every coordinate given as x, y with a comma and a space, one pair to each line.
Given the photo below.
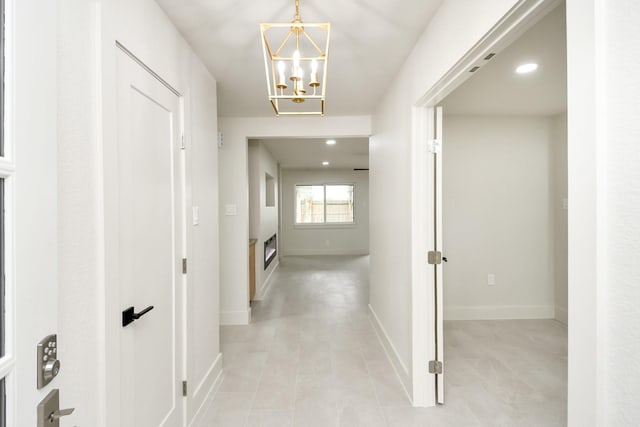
281, 79
301, 89
313, 80
295, 72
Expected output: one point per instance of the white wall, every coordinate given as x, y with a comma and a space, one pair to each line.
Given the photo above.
87, 127
560, 209
32, 264
498, 217
204, 359
451, 33
264, 219
234, 190
617, 134
325, 240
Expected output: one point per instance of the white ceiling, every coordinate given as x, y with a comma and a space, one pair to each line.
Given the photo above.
496, 89
369, 42
309, 153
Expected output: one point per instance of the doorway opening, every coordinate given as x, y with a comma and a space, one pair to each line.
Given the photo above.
307, 197
501, 204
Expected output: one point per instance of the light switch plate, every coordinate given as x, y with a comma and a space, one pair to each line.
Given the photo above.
196, 214
230, 210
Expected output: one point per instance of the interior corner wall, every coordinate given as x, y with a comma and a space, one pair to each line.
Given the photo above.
498, 216
234, 193
264, 219
456, 27
325, 240
560, 208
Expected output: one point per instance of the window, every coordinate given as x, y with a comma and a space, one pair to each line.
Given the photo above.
324, 204
7, 329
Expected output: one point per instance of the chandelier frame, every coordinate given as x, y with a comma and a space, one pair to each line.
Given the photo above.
283, 57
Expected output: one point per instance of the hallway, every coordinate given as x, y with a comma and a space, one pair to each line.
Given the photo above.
311, 358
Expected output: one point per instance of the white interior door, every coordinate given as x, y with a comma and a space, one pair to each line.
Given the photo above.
436, 150
151, 248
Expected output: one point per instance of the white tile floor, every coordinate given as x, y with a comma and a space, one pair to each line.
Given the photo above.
311, 358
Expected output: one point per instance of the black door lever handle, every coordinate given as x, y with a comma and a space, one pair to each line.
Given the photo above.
129, 315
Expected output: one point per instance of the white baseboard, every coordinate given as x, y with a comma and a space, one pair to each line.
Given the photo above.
562, 315
235, 317
499, 312
324, 251
266, 286
392, 354
211, 383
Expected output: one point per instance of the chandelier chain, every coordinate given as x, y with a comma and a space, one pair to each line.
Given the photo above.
296, 17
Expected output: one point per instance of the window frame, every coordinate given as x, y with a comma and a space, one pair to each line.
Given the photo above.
7, 174
324, 224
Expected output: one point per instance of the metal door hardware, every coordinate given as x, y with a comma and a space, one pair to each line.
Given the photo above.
49, 412
434, 257
129, 315
47, 363
435, 367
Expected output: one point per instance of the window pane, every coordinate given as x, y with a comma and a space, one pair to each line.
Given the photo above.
3, 404
309, 204
2, 273
340, 203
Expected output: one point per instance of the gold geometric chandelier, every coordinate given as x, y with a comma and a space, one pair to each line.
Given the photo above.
296, 69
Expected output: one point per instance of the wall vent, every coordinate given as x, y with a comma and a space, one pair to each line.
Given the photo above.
474, 69
488, 57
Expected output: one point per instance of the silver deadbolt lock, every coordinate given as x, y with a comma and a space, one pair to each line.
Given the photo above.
47, 363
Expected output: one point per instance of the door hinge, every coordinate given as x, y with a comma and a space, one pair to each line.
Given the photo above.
435, 367
182, 146
184, 266
184, 388
435, 145
434, 257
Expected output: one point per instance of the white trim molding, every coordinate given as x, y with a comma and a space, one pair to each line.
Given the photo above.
312, 252
266, 286
499, 312
239, 317
562, 315
214, 380
392, 354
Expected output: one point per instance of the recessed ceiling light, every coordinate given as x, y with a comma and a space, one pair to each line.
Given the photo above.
331, 142
527, 68
325, 163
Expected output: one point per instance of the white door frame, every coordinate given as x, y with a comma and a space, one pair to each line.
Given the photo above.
518, 20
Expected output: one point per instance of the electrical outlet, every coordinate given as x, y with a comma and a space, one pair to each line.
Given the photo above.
491, 279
